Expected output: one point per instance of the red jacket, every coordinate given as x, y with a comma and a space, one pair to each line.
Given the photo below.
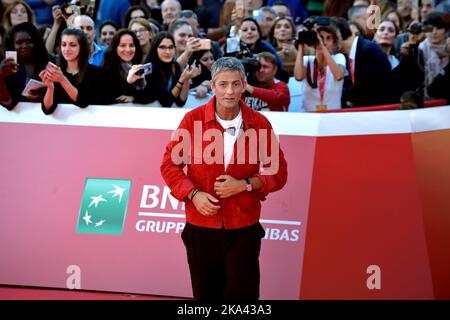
274, 98
240, 210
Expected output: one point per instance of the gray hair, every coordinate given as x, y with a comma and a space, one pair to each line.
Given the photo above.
356, 11
227, 64
269, 9
177, 3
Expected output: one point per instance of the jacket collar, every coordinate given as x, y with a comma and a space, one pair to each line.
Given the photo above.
247, 113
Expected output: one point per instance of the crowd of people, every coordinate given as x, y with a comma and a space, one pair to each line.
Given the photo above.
348, 53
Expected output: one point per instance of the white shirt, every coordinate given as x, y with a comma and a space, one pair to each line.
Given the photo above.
333, 88
352, 54
394, 61
228, 139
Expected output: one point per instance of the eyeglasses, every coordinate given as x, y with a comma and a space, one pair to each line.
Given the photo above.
142, 30
166, 48
186, 14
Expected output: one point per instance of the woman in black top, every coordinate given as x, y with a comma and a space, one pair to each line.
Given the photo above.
124, 52
167, 82
74, 79
32, 57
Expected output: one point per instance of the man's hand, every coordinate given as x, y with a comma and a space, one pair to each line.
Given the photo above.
227, 186
205, 203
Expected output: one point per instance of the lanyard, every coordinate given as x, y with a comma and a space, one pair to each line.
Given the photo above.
321, 79
169, 83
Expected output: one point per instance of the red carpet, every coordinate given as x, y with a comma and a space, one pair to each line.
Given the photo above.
33, 293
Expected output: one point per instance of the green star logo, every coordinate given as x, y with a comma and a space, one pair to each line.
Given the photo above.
103, 206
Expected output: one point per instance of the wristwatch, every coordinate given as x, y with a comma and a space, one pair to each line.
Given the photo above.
248, 185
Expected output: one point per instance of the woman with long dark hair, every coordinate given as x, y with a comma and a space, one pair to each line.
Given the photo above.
32, 58
168, 82
73, 80
120, 57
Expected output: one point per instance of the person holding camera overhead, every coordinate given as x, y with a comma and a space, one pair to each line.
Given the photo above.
324, 72
73, 80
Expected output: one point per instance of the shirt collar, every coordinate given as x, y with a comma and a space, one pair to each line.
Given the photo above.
353, 49
96, 47
247, 116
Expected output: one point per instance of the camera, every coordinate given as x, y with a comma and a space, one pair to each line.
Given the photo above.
418, 28
309, 36
251, 66
67, 8
248, 60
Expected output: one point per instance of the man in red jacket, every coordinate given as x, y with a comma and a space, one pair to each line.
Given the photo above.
233, 161
267, 94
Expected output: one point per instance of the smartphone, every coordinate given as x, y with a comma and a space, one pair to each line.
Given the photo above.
52, 65
146, 69
193, 64
205, 44
11, 55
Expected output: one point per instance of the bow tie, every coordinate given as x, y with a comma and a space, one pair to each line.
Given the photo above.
231, 130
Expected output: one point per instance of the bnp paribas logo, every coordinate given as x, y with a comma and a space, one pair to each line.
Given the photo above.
103, 206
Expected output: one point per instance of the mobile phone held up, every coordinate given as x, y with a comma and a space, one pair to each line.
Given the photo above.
11, 55
146, 69
205, 44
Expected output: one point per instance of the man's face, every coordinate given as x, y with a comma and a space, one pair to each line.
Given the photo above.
425, 9
228, 87
404, 7
266, 73
281, 10
169, 11
107, 34
87, 25
361, 19
267, 22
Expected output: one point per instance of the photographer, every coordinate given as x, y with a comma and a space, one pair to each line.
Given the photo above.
324, 72
410, 69
266, 94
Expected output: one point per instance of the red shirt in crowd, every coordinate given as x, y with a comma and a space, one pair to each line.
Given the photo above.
274, 98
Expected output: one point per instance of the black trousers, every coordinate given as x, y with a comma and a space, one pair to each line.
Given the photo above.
224, 264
